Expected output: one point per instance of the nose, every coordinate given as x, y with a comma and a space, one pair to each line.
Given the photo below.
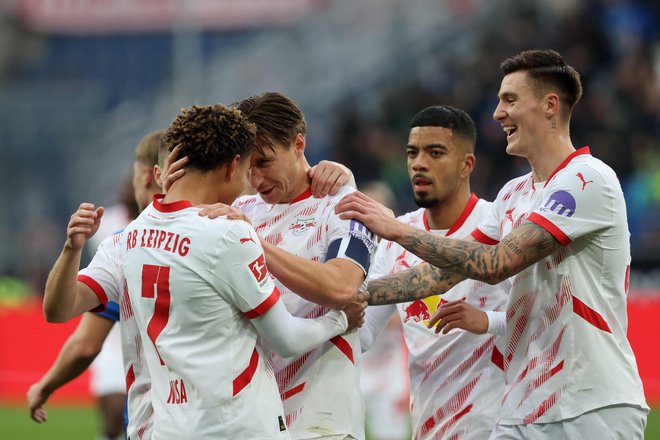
418, 163
499, 113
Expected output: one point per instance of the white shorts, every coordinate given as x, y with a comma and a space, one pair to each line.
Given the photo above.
107, 370
608, 423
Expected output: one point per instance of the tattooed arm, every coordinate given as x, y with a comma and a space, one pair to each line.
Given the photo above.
409, 285
523, 247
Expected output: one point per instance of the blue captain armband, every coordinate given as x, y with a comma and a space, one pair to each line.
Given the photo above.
111, 311
357, 246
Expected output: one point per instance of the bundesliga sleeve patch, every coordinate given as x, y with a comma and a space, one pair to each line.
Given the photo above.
560, 203
258, 268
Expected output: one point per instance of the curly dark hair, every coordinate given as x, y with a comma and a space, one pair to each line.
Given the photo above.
210, 135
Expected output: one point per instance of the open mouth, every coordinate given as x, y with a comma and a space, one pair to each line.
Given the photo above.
509, 130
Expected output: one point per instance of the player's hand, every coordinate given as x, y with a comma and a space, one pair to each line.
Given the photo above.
375, 216
36, 397
83, 225
173, 169
327, 177
459, 314
219, 209
355, 310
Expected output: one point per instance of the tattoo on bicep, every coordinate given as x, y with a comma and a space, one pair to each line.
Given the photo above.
526, 245
419, 282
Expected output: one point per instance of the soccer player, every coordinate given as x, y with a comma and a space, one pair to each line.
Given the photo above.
561, 232
199, 291
318, 261
86, 342
456, 380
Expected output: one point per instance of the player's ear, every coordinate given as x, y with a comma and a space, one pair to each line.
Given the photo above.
299, 144
231, 167
157, 176
468, 165
551, 104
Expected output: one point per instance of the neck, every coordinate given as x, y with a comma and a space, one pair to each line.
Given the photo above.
199, 188
445, 214
300, 183
545, 158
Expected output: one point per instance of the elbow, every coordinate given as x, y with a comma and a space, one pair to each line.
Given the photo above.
286, 350
53, 315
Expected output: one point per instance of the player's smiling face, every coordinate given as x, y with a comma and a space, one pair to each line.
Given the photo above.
276, 175
436, 159
520, 113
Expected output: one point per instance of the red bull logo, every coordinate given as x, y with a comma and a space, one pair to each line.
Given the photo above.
418, 311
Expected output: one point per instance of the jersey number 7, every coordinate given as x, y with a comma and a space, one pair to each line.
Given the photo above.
156, 284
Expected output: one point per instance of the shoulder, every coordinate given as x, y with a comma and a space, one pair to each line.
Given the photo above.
412, 217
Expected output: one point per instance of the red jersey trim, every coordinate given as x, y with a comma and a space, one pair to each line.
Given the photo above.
170, 207
581, 151
264, 306
498, 358
343, 345
483, 238
469, 207
305, 195
130, 378
97, 289
293, 391
246, 376
590, 315
550, 227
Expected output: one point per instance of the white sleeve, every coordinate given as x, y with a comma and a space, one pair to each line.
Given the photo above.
292, 336
375, 321
104, 273
496, 323
578, 201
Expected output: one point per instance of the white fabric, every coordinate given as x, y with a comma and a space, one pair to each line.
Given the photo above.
455, 388
107, 371
193, 283
291, 336
106, 274
610, 423
566, 347
320, 390
496, 323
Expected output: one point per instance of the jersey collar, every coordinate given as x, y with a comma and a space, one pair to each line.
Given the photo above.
170, 207
305, 195
469, 207
581, 151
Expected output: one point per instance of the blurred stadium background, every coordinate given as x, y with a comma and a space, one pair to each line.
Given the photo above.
82, 81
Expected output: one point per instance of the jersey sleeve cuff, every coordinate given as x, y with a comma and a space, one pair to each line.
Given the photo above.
264, 306
97, 289
483, 238
550, 227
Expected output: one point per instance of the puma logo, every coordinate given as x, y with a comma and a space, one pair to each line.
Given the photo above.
245, 240
584, 182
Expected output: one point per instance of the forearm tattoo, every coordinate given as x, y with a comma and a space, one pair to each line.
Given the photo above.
409, 285
523, 247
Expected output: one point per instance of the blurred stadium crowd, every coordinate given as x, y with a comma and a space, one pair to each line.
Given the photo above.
73, 105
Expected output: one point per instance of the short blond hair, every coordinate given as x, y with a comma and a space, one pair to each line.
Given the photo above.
146, 151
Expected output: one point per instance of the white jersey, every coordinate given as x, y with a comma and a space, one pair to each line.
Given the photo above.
566, 347
194, 284
104, 276
320, 390
455, 383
